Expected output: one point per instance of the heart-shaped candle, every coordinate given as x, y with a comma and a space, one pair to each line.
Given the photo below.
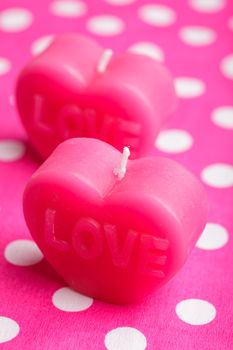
77, 88
113, 233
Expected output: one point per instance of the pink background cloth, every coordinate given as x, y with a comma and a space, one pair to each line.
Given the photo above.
195, 309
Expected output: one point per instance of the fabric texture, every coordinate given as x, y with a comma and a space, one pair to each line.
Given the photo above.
193, 311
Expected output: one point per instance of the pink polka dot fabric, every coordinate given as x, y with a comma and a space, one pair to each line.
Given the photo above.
195, 310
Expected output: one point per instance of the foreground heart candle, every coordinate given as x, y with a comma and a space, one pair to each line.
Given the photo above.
77, 88
113, 230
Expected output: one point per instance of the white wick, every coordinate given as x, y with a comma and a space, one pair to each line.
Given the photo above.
120, 172
104, 61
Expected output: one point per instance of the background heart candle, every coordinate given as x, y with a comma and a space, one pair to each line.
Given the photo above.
77, 88
115, 238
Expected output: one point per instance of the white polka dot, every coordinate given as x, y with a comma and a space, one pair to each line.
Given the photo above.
66, 299
213, 237
5, 65
187, 87
15, 19
148, 49
157, 15
174, 141
197, 36
23, 252
9, 329
195, 311
41, 44
125, 338
120, 2
230, 23
68, 8
223, 117
218, 175
227, 66
11, 150
105, 25
208, 5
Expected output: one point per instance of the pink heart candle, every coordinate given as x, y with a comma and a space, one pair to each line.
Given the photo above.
76, 88
114, 229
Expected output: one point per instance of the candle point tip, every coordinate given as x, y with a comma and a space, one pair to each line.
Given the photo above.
121, 170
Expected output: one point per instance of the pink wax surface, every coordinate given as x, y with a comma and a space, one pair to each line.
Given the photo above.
194, 309
101, 233
63, 93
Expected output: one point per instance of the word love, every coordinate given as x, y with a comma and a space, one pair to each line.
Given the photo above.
113, 228
78, 88
72, 121
88, 241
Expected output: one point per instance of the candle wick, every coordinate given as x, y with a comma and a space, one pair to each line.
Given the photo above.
120, 172
104, 61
